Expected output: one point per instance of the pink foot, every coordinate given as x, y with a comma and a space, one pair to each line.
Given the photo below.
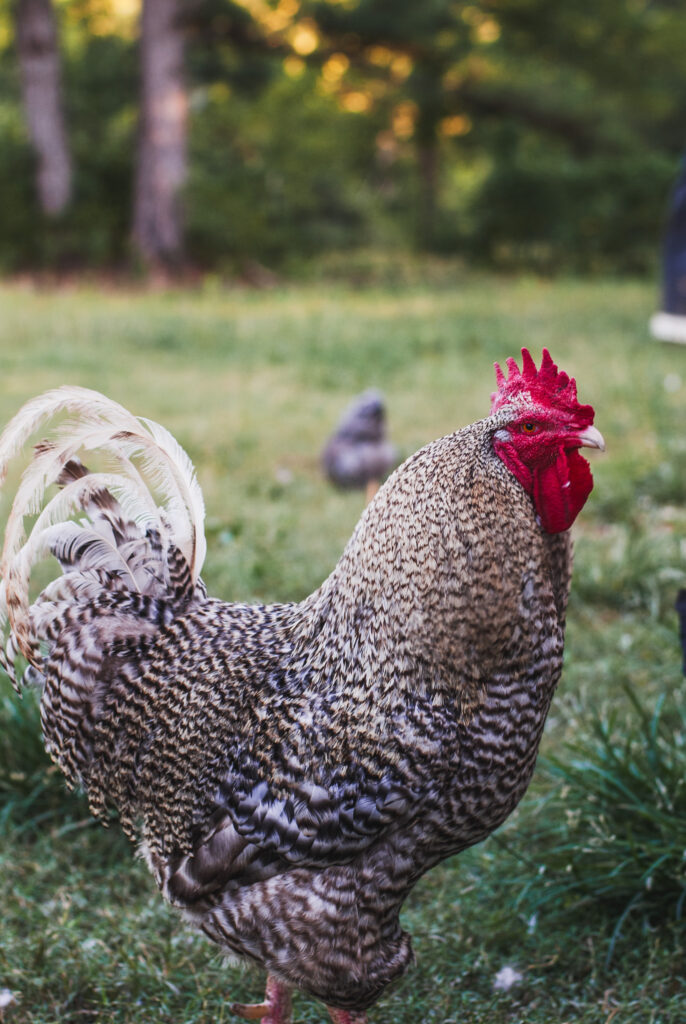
346, 1017
276, 1008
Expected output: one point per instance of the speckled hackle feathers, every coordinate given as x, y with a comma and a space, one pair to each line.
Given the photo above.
289, 770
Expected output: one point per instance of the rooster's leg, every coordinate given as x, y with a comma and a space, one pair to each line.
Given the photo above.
346, 1017
371, 489
276, 1008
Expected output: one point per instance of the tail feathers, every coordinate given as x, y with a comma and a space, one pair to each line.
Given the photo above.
88, 645
127, 544
142, 555
104, 425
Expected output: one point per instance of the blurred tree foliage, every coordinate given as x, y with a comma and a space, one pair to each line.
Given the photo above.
516, 132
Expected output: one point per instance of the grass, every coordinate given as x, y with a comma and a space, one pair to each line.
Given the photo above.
613, 831
251, 383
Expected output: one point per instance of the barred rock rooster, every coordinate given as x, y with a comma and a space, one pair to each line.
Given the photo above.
291, 770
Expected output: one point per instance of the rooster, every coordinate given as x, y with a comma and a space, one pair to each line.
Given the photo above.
291, 770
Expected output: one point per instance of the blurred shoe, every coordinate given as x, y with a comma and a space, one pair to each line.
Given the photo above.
668, 327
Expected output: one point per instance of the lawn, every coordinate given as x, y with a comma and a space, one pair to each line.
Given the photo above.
251, 382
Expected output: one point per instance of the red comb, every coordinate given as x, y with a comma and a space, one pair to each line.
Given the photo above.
546, 386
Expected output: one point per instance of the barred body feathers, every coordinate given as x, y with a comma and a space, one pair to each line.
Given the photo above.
291, 770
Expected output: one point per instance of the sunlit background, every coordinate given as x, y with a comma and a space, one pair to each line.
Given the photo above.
257, 136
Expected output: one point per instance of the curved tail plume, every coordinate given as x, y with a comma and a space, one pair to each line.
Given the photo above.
143, 528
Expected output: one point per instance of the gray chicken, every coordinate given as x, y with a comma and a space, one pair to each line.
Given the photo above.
358, 453
291, 770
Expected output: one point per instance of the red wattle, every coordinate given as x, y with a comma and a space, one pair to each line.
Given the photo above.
560, 490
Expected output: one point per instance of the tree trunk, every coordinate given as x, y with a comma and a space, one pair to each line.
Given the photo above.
39, 62
428, 176
161, 167
429, 95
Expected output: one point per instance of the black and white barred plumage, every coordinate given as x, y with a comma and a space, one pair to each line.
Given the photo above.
290, 770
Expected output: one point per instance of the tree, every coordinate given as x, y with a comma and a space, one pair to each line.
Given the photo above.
39, 61
515, 75
162, 143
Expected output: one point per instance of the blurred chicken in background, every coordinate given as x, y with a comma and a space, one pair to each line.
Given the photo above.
358, 453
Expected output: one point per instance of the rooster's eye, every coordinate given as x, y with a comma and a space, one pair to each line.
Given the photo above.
530, 428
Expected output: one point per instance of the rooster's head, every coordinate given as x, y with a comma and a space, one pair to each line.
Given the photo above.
539, 441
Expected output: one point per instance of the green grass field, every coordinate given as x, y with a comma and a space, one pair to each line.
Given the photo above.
251, 383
